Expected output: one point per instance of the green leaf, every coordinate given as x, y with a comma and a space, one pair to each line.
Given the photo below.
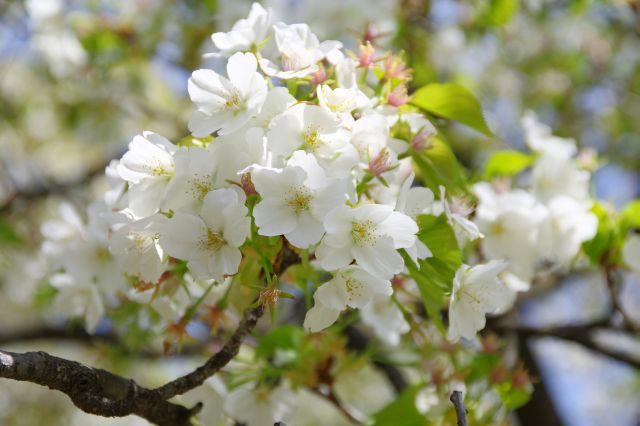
436, 233
438, 165
512, 397
605, 237
507, 163
454, 102
434, 275
501, 11
401, 411
284, 338
8, 234
630, 217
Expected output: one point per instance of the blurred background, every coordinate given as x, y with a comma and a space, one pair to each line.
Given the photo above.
78, 79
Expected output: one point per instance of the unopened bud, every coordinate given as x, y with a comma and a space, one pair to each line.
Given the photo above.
423, 139
319, 76
365, 57
394, 67
247, 184
398, 96
380, 163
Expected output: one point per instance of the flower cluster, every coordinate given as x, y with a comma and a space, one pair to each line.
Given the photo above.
544, 223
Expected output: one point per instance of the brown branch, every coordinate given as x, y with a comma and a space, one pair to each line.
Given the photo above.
93, 390
612, 286
581, 334
215, 363
100, 392
461, 412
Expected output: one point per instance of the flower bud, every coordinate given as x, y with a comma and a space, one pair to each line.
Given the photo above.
247, 184
423, 139
398, 96
365, 57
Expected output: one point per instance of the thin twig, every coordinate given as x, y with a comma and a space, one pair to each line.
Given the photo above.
461, 412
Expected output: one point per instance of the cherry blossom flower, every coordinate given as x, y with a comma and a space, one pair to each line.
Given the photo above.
477, 291
370, 234
351, 286
226, 104
296, 199
245, 34
210, 241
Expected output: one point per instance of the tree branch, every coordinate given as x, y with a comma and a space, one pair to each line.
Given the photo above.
461, 412
100, 392
215, 363
93, 390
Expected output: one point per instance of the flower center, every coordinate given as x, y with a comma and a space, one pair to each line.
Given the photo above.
234, 100
364, 232
142, 242
156, 168
354, 287
299, 198
213, 241
311, 138
200, 186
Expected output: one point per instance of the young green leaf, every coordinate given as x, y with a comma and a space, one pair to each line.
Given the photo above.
454, 102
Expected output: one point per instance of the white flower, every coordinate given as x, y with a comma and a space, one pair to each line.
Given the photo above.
136, 249
555, 175
370, 234
147, 166
351, 286
568, 225
463, 227
631, 253
296, 199
510, 223
245, 33
210, 241
414, 202
196, 174
259, 406
315, 130
226, 104
476, 291
385, 319
540, 139
77, 299
300, 51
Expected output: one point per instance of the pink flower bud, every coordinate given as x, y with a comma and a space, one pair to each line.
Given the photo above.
380, 163
423, 140
395, 67
398, 96
247, 184
365, 57
319, 76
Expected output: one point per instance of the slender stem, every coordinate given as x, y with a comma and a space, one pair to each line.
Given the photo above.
461, 412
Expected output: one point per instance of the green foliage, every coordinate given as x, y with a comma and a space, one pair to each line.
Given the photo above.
286, 337
438, 165
512, 396
454, 102
500, 12
630, 217
403, 410
434, 275
8, 234
606, 236
507, 163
